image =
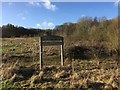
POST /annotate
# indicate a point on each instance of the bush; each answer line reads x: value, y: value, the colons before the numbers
x: 77, y: 52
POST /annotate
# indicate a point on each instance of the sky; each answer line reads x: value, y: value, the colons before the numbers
x: 45, y: 15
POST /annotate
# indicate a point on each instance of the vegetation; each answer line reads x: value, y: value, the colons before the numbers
x: 88, y: 29
x: 11, y: 31
x: 90, y: 51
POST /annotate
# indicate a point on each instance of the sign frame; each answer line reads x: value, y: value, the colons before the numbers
x: 51, y: 40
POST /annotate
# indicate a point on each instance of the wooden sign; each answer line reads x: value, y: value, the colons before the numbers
x: 48, y: 41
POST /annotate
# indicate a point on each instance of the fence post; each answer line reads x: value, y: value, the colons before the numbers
x: 41, y: 51
x: 62, y: 52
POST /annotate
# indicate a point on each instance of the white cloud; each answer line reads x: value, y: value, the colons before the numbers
x: 83, y: 15
x: 117, y: 3
x: 50, y: 24
x: 46, y: 25
x: 47, y: 4
x: 38, y: 25
x: 23, y: 18
x: 34, y: 3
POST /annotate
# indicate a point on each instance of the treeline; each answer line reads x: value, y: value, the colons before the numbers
x: 9, y: 31
x: 98, y: 29
x: 91, y: 29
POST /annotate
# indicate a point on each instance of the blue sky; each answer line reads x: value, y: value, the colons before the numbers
x: 49, y: 14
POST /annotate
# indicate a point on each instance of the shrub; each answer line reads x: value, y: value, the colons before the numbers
x: 77, y: 52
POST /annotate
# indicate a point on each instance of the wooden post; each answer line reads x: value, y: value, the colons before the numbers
x: 41, y: 53
x: 62, y: 57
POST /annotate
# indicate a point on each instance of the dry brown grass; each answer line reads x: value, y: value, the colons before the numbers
x: 95, y: 74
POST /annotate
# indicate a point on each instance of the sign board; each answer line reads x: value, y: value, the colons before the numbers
x: 51, y: 41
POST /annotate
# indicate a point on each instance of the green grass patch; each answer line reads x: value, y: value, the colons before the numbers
x: 12, y: 48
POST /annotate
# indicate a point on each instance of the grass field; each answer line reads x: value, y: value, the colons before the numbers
x: 20, y: 68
